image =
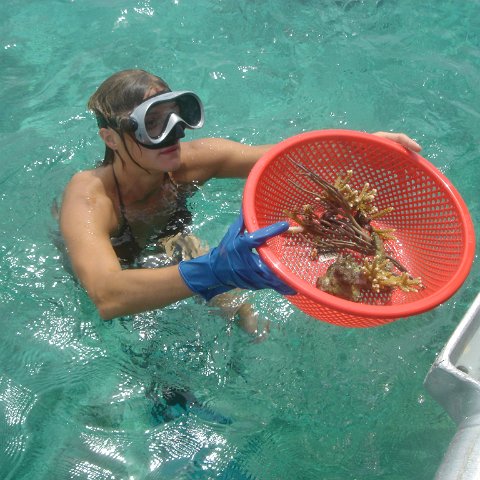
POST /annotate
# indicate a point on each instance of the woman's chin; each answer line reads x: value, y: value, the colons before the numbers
x: 169, y: 158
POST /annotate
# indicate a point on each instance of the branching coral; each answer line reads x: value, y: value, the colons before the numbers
x: 344, y: 224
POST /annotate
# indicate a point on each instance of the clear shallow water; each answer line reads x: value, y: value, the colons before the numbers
x: 78, y: 395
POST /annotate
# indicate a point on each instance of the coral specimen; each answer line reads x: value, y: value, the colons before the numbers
x: 338, y: 221
x: 344, y: 278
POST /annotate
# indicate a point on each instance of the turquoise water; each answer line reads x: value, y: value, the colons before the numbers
x: 314, y: 401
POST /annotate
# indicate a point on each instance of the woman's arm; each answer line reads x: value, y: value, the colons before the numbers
x: 214, y: 157
x: 217, y: 158
x: 86, y: 219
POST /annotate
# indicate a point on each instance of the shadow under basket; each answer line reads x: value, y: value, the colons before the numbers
x: 434, y: 235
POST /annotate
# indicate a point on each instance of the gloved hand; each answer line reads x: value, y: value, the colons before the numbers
x: 233, y: 264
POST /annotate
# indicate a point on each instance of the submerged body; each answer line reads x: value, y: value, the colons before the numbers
x: 111, y: 212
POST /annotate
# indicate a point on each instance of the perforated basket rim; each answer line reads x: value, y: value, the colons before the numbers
x: 331, y: 301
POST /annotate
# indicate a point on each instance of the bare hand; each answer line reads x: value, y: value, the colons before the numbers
x: 401, y: 139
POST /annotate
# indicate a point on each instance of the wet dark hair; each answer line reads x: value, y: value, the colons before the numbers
x: 115, y: 99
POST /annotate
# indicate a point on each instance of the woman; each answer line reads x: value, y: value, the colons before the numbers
x: 109, y: 214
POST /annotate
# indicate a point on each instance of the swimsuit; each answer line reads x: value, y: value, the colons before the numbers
x: 124, y: 243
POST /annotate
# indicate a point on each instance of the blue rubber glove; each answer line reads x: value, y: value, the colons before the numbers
x: 233, y: 264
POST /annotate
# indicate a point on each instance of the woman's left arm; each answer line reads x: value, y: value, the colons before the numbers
x: 217, y: 157
x: 220, y: 158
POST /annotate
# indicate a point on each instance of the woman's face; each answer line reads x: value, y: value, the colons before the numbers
x: 165, y: 159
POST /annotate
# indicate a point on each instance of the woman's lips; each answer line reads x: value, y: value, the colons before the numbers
x: 169, y: 149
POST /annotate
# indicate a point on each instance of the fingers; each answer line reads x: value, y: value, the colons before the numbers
x: 258, y: 237
x: 401, y: 139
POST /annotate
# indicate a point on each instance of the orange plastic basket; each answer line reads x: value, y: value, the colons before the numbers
x: 434, y: 234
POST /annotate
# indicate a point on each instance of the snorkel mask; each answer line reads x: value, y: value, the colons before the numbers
x: 160, y: 121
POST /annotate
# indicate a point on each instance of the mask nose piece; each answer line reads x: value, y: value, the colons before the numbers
x: 178, y: 131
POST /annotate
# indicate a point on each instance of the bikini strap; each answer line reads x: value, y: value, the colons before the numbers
x: 119, y: 193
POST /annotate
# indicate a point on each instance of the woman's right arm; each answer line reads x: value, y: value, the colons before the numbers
x: 86, y: 219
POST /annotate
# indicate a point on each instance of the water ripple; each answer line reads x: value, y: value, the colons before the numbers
x: 16, y: 401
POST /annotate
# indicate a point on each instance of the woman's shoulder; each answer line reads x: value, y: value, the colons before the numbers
x: 201, y: 157
x: 88, y: 195
x: 90, y: 187
x: 205, y: 146
x: 88, y: 180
